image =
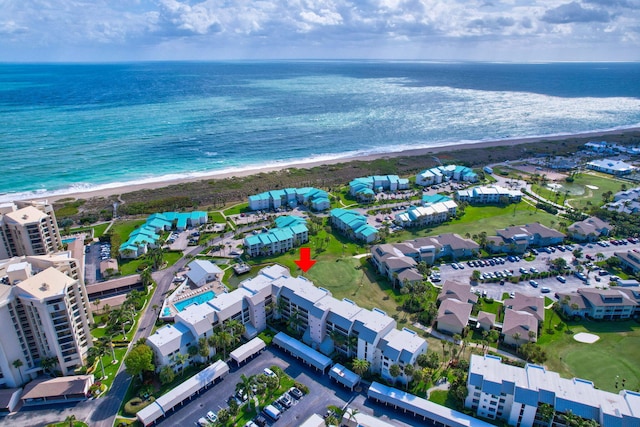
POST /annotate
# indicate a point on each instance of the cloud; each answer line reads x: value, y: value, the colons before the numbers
x: 629, y: 4
x: 574, y: 12
x: 10, y: 27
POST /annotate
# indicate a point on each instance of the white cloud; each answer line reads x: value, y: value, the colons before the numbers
x: 322, y: 28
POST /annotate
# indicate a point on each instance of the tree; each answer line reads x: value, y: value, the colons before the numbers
x: 180, y: 360
x: 47, y: 363
x: 395, y: 371
x: 516, y: 336
x: 139, y: 359
x: 193, y: 351
x: 246, y: 385
x: 546, y: 413
x: 223, y: 415
x: 203, y: 348
x: 18, y: 364
x: 70, y: 419
x: 107, y: 342
x: 145, y: 277
x: 167, y: 374
x: 223, y: 339
x: 98, y: 351
x: 360, y: 366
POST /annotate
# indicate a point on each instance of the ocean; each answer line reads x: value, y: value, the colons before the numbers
x: 71, y: 127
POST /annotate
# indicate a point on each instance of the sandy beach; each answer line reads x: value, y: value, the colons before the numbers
x: 407, y: 153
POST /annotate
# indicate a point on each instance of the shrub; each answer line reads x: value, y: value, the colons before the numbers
x: 136, y: 403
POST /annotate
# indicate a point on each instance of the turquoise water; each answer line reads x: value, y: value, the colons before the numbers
x: 197, y: 299
x: 67, y: 241
x: 71, y: 127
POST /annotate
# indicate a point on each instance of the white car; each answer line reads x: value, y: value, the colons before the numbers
x: 211, y: 416
x: 268, y: 372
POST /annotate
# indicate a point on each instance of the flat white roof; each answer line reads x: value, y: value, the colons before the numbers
x: 247, y: 350
x: 298, y: 349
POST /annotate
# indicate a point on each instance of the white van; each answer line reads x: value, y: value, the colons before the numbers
x: 272, y: 412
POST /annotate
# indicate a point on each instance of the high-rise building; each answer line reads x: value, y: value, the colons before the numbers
x: 28, y: 228
x: 46, y: 313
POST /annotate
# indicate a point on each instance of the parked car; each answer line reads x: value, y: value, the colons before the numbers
x: 296, y: 392
x: 272, y: 412
x: 203, y: 422
x: 211, y: 416
x: 545, y: 290
x: 268, y: 372
x: 561, y: 279
x: 260, y: 421
x: 533, y: 283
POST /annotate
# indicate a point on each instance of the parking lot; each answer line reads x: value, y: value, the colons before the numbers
x: 540, y: 263
x: 322, y: 393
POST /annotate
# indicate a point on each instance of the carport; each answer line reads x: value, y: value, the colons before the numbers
x: 245, y: 351
x: 344, y: 376
x: 302, y: 352
x: 438, y: 414
x: 182, y: 392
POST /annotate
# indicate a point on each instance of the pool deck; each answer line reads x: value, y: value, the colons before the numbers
x: 185, y: 291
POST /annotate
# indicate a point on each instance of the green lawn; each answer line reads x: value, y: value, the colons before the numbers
x: 483, y: 218
x: 614, y: 354
x: 237, y: 209
x: 98, y: 230
x: 603, y: 183
x: 217, y: 217
x: 124, y: 228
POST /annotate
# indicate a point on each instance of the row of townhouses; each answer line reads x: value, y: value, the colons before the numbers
x: 147, y: 236
x: 439, y: 174
x: 316, y: 199
x: 290, y: 231
x: 523, y: 314
x: 325, y: 323
x: 428, y: 214
x: 627, y: 201
x: 513, y: 394
x: 354, y: 225
x: 615, y: 303
x: 519, y: 238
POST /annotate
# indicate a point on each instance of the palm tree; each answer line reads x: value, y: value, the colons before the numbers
x: 145, y: 277
x: 223, y: 340
x: 203, y: 348
x: 70, y: 419
x: 98, y: 351
x: 48, y: 362
x: 107, y: 341
x: 246, y: 385
x: 546, y: 413
x: 395, y: 371
x: 18, y: 364
x: 360, y: 366
x: 516, y: 337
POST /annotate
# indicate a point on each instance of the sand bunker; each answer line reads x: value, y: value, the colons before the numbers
x: 592, y: 187
x: 586, y: 338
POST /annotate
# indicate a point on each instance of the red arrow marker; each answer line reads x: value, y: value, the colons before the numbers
x: 305, y: 262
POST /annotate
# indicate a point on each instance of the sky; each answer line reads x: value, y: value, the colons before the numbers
x: 474, y: 30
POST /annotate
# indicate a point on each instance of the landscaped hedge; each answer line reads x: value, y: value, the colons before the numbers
x: 136, y: 404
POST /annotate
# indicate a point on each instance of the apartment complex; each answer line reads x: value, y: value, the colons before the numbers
x: 429, y: 213
x: 611, y: 167
x: 290, y: 231
x: 366, y: 187
x: 326, y: 324
x: 316, y: 199
x: 44, y: 304
x: 445, y: 173
x: 353, y: 225
x: 616, y: 303
x: 401, y: 259
x: 518, y: 238
x: 590, y: 229
x: 490, y: 194
x: 513, y: 394
x: 28, y: 228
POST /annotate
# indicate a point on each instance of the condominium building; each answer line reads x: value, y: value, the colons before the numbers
x: 28, y: 228
x: 488, y: 195
x: 326, y: 324
x: 513, y: 394
x: 316, y: 199
x: 366, y: 187
x: 444, y: 173
x: 290, y: 231
x: 43, y: 300
x: 354, y: 225
x: 430, y: 213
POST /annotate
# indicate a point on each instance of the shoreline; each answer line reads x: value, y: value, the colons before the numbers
x: 462, y: 146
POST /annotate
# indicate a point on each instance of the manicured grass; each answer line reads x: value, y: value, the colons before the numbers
x: 483, y: 218
x: 66, y: 424
x: 613, y: 355
x: 217, y: 217
x: 237, y: 209
x: 98, y: 230
x: 124, y: 228
x: 603, y: 183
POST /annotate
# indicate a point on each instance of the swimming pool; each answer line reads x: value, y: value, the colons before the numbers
x: 67, y: 241
x: 197, y: 299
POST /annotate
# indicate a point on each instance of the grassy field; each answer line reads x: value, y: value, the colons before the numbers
x: 237, y: 209
x: 483, y: 218
x: 613, y: 356
x: 217, y: 217
x: 124, y: 228
x: 98, y: 230
x: 603, y: 183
